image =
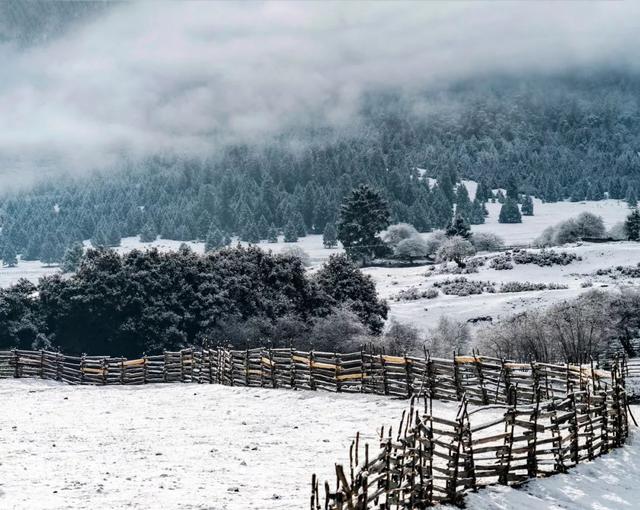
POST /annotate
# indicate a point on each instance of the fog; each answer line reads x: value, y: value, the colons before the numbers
x: 137, y: 79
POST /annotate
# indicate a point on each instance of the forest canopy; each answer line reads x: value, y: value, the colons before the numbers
x: 570, y: 136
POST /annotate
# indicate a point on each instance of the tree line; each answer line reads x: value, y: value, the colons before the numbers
x: 558, y: 137
x: 147, y: 301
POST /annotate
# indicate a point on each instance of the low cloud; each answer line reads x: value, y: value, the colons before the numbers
x: 181, y: 77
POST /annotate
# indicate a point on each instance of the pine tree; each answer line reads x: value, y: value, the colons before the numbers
x: 500, y: 197
x: 463, y: 204
x: 72, y: 257
x: 215, y: 239
x: 148, y: 233
x: 509, y: 212
x: 483, y: 193
x: 202, y: 226
x: 272, y: 234
x: 290, y: 232
x: 32, y: 251
x: 298, y: 220
x: 527, y: 206
x: 329, y: 236
x: 51, y: 251
x: 363, y: 215
x: 251, y: 234
x: 631, y: 198
x: 9, y: 255
x: 477, y: 214
x: 632, y: 225
x: 114, y: 234
x: 263, y: 228
x: 512, y: 188
x: 458, y: 227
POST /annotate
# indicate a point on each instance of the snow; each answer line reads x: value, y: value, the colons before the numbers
x: 549, y: 214
x: 610, y: 482
x: 209, y: 446
x: 177, y: 445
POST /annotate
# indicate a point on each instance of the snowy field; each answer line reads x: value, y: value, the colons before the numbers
x: 425, y: 313
x: 177, y: 446
x: 216, y: 447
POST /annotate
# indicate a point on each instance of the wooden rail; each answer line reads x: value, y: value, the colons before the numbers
x: 433, y: 460
x: 482, y: 379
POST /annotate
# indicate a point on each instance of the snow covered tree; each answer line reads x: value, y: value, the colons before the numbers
x: 290, y: 232
x: 527, y: 206
x: 632, y: 225
x: 509, y: 212
x: 363, y: 215
x: 458, y: 227
x: 9, y: 255
x: 51, y: 252
x: 457, y: 249
x: 632, y: 197
x: 477, y: 214
x: 412, y: 248
x: 329, y: 236
x: 272, y: 234
x: 341, y: 280
x: 72, y: 257
x: 251, y: 234
x: 463, y: 203
x: 215, y: 239
x: 148, y: 233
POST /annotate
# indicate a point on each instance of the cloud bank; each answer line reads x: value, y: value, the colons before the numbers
x: 181, y: 77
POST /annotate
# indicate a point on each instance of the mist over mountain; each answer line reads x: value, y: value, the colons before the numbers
x: 98, y: 84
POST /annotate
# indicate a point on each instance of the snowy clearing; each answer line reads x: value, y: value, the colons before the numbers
x: 218, y: 447
x: 176, y: 445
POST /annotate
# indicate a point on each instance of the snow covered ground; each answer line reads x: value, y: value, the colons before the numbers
x: 425, y: 313
x: 610, y: 482
x: 217, y: 447
x: 177, y: 446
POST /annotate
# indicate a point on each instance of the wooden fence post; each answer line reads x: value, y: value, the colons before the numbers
x: 384, y: 375
x: 532, y: 440
x: 16, y: 370
x: 82, y: 362
x: 407, y: 369
x: 312, y: 382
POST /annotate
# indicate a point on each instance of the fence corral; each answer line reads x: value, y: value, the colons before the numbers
x: 432, y: 460
x: 484, y: 380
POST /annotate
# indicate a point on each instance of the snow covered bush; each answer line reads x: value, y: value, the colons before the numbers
x: 546, y: 239
x: 412, y: 248
x: 585, y: 225
x: 296, y: 251
x: 544, y: 257
x: 414, y: 293
x: 341, y: 331
x: 434, y: 241
x: 571, y: 331
x: 530, y: 286
x: 463, y: 287
x: 618, y: 232
x: 501, y: 262
x: 448, y: 336
x: 400, y: 339
x: 487, y: 241
x: 455, y: 249
x: 398, y: 232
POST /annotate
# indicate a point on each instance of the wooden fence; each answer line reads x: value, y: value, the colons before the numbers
x: 433, y: 460
x: 484, y: 380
